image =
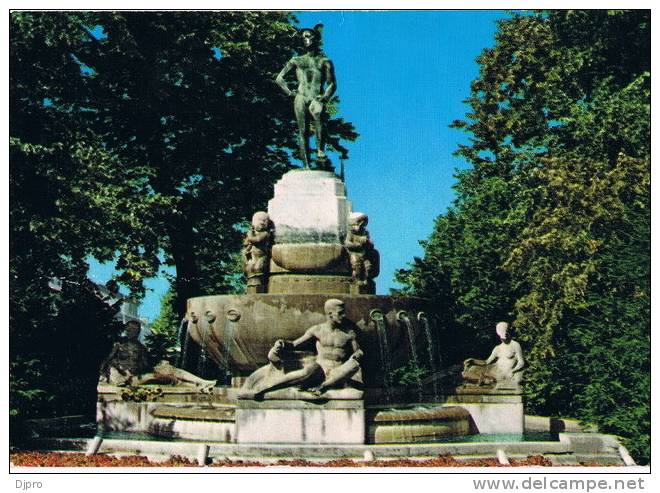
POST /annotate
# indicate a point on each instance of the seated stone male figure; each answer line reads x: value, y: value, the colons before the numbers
x: 127, y: 359
x: 336, y: 364
x: 283, y: 370
x: 128, y: 364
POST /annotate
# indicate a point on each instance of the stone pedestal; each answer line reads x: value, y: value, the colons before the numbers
x: 309, y: 284
x: 309, y: 211
x: 309, y: 206
x: 279, y: 422
x: 492, y: 411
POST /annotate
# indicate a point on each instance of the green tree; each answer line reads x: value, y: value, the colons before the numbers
x: 163, y: 338
x: 550, y: 224
x: 70, y: 198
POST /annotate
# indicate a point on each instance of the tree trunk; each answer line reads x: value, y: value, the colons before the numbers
x: 187, y: 274
x: 186, y: 285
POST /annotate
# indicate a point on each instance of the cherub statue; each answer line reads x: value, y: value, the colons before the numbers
x: 503, y: 368
x: 256, y: 252
x: 362, y: 254
x: 335, y: 367
x: 128, y: 364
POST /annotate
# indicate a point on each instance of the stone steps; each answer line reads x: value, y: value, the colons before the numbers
x: 559, y: 453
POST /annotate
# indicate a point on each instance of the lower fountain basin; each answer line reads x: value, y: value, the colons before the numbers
x: 417, y: 425
x: 237, y: 331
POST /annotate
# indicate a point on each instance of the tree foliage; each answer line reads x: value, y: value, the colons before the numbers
x: 162, y: 341
x: 69, y: 198
x: 551, y: 224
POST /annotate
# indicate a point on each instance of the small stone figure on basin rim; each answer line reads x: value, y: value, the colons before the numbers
x: 256, y: 252
x: 362, y: 254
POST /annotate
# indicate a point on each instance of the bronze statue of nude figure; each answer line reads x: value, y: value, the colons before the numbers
x: 316, y: 85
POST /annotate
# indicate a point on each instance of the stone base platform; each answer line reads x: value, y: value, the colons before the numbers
x: 170, y: 412
x: 490, y: 411
x: 299, y: 422
x: 188, y: 413
x: 306, y: 284
x: 603, y: 449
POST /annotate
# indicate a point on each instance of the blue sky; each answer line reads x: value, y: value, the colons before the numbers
x: 401, y: 77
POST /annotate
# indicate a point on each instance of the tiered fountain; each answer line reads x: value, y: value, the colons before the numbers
x: 310, y: 347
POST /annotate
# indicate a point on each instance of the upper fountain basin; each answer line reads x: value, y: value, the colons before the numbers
x: 239, y: 330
